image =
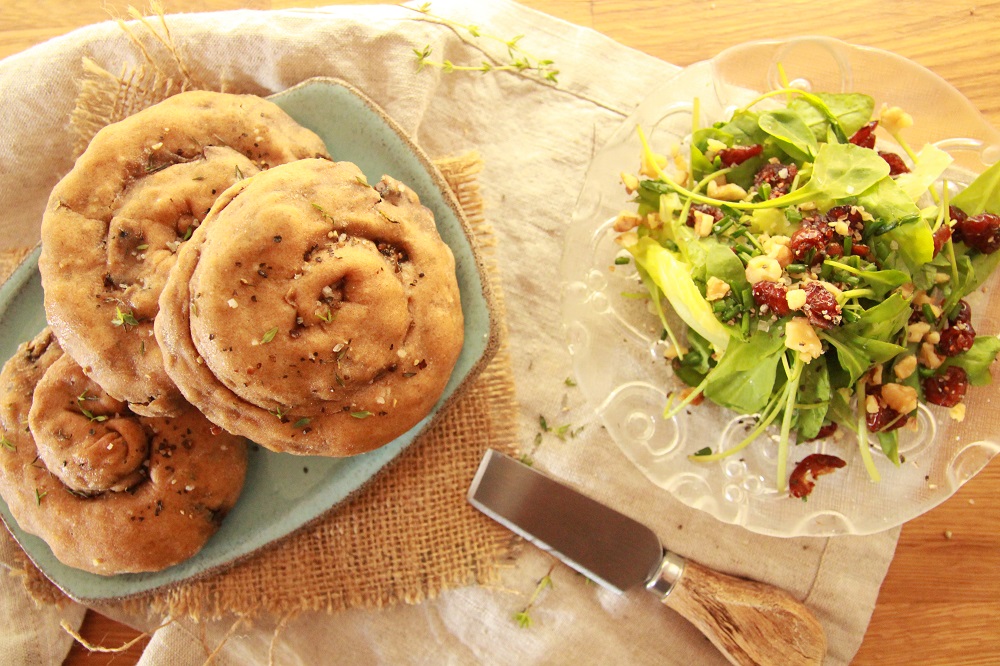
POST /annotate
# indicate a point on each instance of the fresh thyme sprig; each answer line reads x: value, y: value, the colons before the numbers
x: 125, y: 319
x: 523, y: 616
x: 86, y: 412
x: 520, y: 60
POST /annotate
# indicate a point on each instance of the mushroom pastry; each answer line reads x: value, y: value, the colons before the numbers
x: 313, y: 313
x: 110, y: 492
x: 114, y: 223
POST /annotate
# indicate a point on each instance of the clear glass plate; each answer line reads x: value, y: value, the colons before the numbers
x: 614, y: 340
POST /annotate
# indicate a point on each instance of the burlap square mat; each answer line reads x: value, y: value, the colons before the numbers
x: 407, y: 535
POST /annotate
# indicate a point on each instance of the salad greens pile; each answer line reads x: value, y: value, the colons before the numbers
x: 822, y: 280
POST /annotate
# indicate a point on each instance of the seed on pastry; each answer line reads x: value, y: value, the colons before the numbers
x: 313, y: 313
x: 114, y: 223
x: 109, y: 492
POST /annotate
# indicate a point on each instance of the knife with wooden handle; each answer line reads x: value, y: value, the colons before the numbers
x: 750, y: 622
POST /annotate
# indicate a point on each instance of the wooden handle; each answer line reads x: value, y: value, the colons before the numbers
x: 751, y: 623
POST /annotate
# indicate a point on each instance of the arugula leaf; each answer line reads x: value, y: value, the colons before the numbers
x: 977, y: 360
x: 790, y: 133
x: 814, y: 389
x: 982, y: 194
x: 673, y: 277
x: 744, y: 377
x: 889, y: 443
x: 856, y: 353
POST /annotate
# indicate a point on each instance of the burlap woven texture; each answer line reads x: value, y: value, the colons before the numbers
x: 408, y: 534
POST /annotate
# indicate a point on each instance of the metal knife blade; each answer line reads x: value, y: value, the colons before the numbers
x: 751, y: 623
x: 599, y: 542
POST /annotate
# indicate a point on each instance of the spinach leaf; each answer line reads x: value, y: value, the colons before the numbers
x: 882, y: 321
x: 848, y: 112
x: 722, y: 262
x: 790, y: 133
x: 744, y: 377
x: 856, y: 353
x: 976, y: 362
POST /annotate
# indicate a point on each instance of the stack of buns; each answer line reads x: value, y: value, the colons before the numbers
x: 210, y: 275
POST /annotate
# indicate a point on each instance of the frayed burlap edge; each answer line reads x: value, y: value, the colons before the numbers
x: 465, y: 547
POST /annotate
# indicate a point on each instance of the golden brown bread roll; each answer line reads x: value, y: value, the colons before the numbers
x: 108, y: 491
x: 113, y: 225
x: 313, y: 313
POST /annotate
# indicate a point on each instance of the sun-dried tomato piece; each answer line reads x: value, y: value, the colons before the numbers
x: 778, y: 176
x: 865, y: 137
x: 739, y: 154
x: 803, y: 478
x: 946, y: 388
x: 941, y: 237
x: 773, y: 295
x: 714, y: 211
x: 981, y: 232
x: 956, y: 338
x: 895, y: 162
x: 821, y: 306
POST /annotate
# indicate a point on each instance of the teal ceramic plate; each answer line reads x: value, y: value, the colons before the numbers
x: 284, y: 492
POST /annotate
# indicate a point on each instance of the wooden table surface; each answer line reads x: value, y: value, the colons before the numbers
x: 940, y: 603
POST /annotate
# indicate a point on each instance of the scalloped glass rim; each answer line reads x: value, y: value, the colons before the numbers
x: 614, y: 343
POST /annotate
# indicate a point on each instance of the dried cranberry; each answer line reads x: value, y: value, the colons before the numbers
x: 981, y: 232
x: 778, y: 176
x: 956, y: 338
x: 739, y: 154
x: 834, y: 250
x: 957, y: 214
x: 773, y: 295
x: 963, y: 312
x: 861, y: 250
x: 714, y: 211
x: 803, y: 477
x: 946, y: 388
x: 895, y: 162
x: 941, y: 237
x: 849, y: 214
x: 865, y: 137
x: 821, y: 306
x: 809, y: 240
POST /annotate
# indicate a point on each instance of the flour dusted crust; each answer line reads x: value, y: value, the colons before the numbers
x: 113, y: 226
x: 108, y: 491
x: 313, y: 313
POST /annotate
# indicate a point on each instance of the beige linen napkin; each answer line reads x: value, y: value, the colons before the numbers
x: 536, y: 139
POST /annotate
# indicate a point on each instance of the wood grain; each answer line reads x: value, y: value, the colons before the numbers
x: 939, y: 603
x: 751, y: 623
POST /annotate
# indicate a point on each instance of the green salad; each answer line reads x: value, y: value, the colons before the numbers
x: 822, y: 280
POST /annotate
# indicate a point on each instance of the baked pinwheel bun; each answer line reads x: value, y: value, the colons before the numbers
x: 110, y: 492
x: 114, y: 223
x: 313, y: 313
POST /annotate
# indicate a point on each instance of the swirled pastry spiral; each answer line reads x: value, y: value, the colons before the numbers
x: 109, y: 492
x: 114, y: 223
x: 313, y: 313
